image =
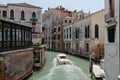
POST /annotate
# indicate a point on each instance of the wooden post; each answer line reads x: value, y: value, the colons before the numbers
x: 3, y: 73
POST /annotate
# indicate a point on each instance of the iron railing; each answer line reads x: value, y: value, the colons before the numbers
x: 109, y: 15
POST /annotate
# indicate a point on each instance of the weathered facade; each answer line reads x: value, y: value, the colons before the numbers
x: 86, y: 35
x: 97, y: 34
x: 20, y: 29
x: 52, y: 23
x: 16, y: 52
x: 25, y: 14
x: 16, y: 65
x: 112, y: 39
x: 39, y: 56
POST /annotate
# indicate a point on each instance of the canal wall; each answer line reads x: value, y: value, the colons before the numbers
x: 16, y: 64
x: 39, y: 57
x: 43, y: 56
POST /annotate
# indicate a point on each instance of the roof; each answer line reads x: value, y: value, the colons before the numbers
x: 67, y: 17
x: 98, y: 11
x: 4, y: 20
x: 24, y: 5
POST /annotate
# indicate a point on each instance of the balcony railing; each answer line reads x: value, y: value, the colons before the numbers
x: 109, y: 16
x: 33, y: 19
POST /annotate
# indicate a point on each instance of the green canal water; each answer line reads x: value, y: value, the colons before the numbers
x: 77, y: 70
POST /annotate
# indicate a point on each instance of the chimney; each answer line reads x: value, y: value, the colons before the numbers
x: 75, y: 10
x: 60, y: 7
x: 48, y: 8
x: 89, y: 12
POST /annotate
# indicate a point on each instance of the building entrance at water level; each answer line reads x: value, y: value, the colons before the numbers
x: 77, y: 70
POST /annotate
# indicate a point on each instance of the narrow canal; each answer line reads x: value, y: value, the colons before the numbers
x: 78, y: 70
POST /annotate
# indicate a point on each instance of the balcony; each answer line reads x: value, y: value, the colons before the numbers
x: 33, y: 19
x: 109, y: 17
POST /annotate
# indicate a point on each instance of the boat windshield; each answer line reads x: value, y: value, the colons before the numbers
x: 63, y: 57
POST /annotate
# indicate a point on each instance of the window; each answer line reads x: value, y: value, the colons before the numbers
x: 77, y: 33
x: 23, y: 38
x: 96, y: 31
x: 70, y: 32
x: 33, y: 29
x: 7, y: 35
x: 64, y: 33
x: 79, y: 16
x: 12, y: 14
x: 1, y: 63
x: 70, y: 21
x: 22, y: 15
x: 67, y: 33
x: 65, y: 21
x: 54, y: 29
x: 54, y: 37
x: 111, y: 34
x: 87, y: 32
x: 33, y: 15
x: 17, y: 37
x: 26, y: 38
x: 69, y: 45
x: 20, y: 37
x: 36, y: 57
x: 58, y: 28
x: 86, y: 47
x: 59, y: 45
x: 13, y: 37
x: 4, y: 13
x: 58, y: 36
x: 77, y: 46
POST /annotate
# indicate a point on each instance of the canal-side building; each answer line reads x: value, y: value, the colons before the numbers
x: 97, y: 34
x: 16, y: 52
x: 81, y: 14
x: 52, y: 23
x: 81, y: 36
x: 25, y: 14
x: 112, y: 39
x: 16, y: 17
x: 67, y: 33
x: 87, y: 35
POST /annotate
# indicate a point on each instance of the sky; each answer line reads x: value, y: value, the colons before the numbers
x: 85, y: 5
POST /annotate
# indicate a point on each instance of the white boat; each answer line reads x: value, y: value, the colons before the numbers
x: 62, y: 59
x: 98, y: 72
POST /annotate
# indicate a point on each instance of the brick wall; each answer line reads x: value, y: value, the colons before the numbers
x: 17, y: 64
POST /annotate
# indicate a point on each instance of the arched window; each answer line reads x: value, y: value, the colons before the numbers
x: 88, y: 31
x: 33, y: 15
x: 65, y: 21
x: 87, y: 47
x: 96, y: 31
x: 22, y: 15
x: 11, y: 14
x: 85, y: 32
